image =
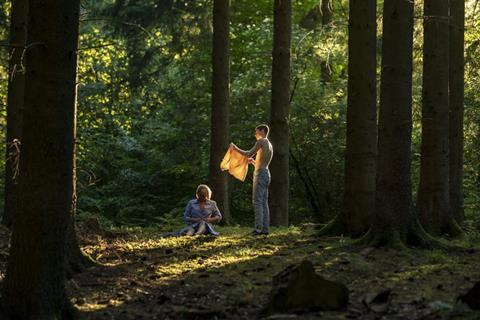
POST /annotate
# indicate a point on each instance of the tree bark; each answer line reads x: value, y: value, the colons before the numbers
x: 75, y: 260
x: 280, y: 105
x: 433, y: 202
x: 327, y: 14
x: 34, y: 287
x: 309, y: 190
x: 16, y: 83
x: 220, y: 133
x: 395, y: 223
x: 361, y: 146
x: 456, y: 82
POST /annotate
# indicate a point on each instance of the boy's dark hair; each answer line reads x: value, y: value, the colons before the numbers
x: 264, y: 128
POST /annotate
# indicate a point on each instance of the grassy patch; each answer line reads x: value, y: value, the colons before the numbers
x: 230, y: 276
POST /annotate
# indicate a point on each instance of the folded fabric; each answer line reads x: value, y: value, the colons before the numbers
x: 236, y: 164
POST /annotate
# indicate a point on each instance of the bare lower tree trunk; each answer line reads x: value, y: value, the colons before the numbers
x: 457, y: 74
x: 34, y: 286
x: 16, y: 83
x: 280, y: 105
x: 327, y: 13
x: 75, y: 260
x: 433, y: 202
x: 395, y: 223
x: 220, y: 133
x: 361, y: 146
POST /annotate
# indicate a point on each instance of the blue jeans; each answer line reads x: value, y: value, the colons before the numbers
x: 261, y: 181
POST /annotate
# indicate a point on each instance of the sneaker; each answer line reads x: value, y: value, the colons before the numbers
x: 255, y: 232
x: 258, y: 233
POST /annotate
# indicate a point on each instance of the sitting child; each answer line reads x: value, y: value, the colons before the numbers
x: 200, y: 213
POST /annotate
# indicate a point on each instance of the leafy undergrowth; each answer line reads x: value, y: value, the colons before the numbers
x: 144, y: 276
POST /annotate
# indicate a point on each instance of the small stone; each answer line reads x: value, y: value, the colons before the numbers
x: 365, y: 252
x: 440, y: 305
x: 161, y: 299
x: 472, y: 297
x: 300, y: 288
x: 378, y: 302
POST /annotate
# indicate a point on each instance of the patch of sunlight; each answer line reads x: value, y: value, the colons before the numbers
x: 229, y: 237
x: 415, y: 272
x: 176, y: 268
x: 190, y: 254
x: 438, y: 257
x: 92, y: 307
x: 329, y: 263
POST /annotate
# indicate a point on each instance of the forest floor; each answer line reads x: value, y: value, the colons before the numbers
x: 141, y: 275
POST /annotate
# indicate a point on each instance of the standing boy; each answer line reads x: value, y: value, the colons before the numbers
x: 263, y: 152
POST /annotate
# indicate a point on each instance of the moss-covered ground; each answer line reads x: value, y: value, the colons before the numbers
x: 142, y: 275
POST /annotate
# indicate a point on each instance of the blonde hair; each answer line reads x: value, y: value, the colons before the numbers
x: 203, y: 194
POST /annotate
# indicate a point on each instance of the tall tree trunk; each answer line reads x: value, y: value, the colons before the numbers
x: 395, y: 223
x: 76, y: 261
x: 457, y: 74
x: 327, y: 13
x: 34, y: 286
x: 280, y: 105
x: 220, y: 133
x: 433, y: 202
x: 361, y: 149
x: 16, y: 83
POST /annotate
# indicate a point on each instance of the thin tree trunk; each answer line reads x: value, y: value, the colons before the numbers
x: 433, y: 202
x: 361, y: 146
x: 457, y: 74
x: 220, y: 133
x: 477, y: 156
x: 280, y: 105
x: 34, y: 287
x: 16, y: 83
x: 395, y: 223
x: 327, y: 14
x: 310, y: 193
x: 76, y: 261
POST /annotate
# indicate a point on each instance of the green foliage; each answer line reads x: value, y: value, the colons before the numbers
x: 144, y: 105
x: 437, y: 257
x: 144, y: 100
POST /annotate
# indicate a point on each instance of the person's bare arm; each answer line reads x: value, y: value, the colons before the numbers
x: 251, y: 152
x: 235, y: 147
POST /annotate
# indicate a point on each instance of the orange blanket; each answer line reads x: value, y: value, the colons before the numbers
x: 236, y: 164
